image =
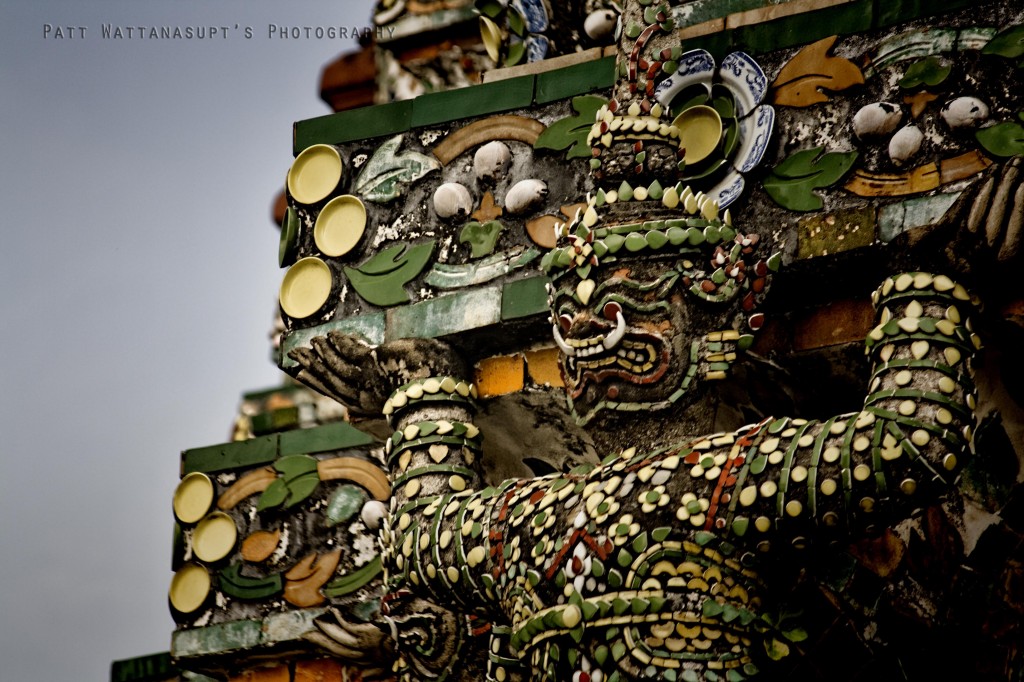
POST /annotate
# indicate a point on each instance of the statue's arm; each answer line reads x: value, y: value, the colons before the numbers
x: 801, y: 480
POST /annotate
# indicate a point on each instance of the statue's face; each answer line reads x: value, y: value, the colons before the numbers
x: 623, y: 337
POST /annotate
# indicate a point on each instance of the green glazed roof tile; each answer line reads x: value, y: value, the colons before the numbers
x: 799, y: 29
x: 575, y: 79
x: 355, y: 124
x: 524, y: 297
x: 234, y: 636
x: 477, y: 100
x: 230, y: 455
x: 446, y: 314
x: 247, y: 453
x: 337, y: 436
x: 152, y: 668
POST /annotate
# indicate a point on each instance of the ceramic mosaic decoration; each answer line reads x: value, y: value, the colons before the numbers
x: 620, y: 401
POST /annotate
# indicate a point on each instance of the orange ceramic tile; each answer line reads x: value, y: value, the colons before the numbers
x: 304, y: 580
x: 277, y: 673
x: 543, y: 368
x: 918, y: 101
x: 500, y: 375
x: 320, y: 670
x: 507, y: 127
x: 864, y: 183
x: 260, y: 545
x: 812, y: 71
x: 963, y: 166
x: 839, y: 322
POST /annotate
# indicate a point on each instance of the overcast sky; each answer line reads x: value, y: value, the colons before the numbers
x: 139, y: 278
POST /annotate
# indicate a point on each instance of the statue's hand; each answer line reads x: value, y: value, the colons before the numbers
x: 978, y: 240
x: 361, y: 376
x: 371, y: 646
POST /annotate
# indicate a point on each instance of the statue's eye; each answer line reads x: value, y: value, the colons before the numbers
x: 565, y: 321
x: 611, y: 310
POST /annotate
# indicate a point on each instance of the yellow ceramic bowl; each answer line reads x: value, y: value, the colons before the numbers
x: 189, y: 588
x: 314, y: 173
x: 193, y: 497
x: 700, y: 131
x: 214, y: 537
x: 305, y: 288
x: 340, y: 225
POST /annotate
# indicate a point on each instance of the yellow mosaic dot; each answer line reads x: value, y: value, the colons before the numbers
x: 453, y: 574
x: 403, y: 521
x: 914, y: 309
x: 862, y: 472
x: 768, y: 488
x: 476, y: 556
x: 793, y: 508
x: 903, y: 282
x: 952, y: 356
x: 457, y: 483
x: 571, y: 616
x: 837, y: 428
x: 861, y: 443
x: 922, y: 280
x: 831, y: 454
x: 431, y: 571
x: 943, y: 416
x: 920, y: 437
x: 947, y: 385
x: 945, y: 327
x: 763, y: 524
x: 798, y: 474
x: 776, y: 457
x: 953, y: 314
x: 412, y: 488
x: 748, y: 496
x: 867, y: 504
x: 445, y: 539
x: 908, y: 486
x: 907, y: 408
x: 828, y: 486
x: 903, y: 377
x: 830, y: 519
x: 770, y: 445
x: 864, y: 420
x: 949, y: 462
x: 908, y: 324
x: 806, y: 441
x: 942, y: 283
